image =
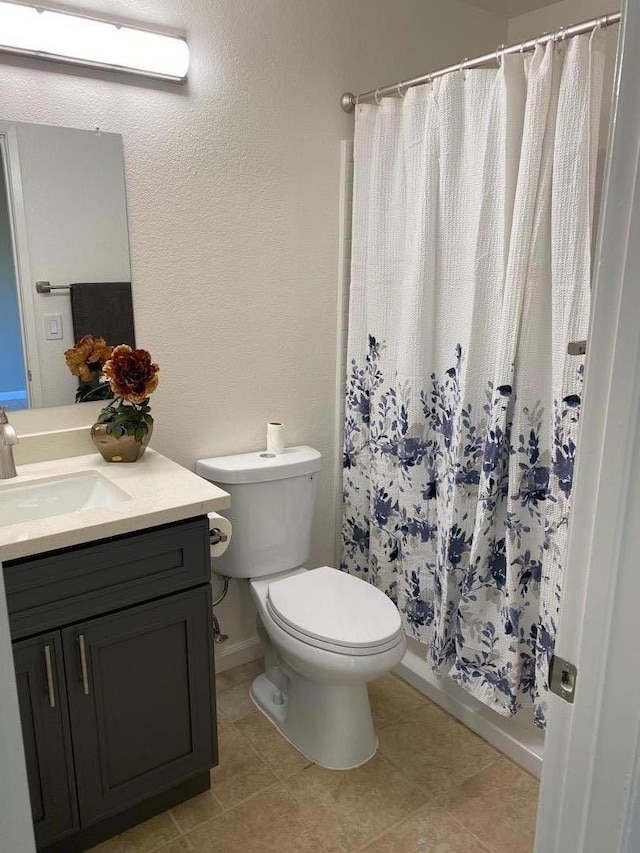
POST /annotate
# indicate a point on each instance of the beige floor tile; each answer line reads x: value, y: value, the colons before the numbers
x: 241, y: 773
x: 275, y: 751
x: 203, y: 807
x: 179, y: 845
x: 232, y: 690
x: 431, y: 830
x: 499, y: 807
x: 393, y: 700
x: 359, y: 804
x: 434, y: 750
x: 270, y: 822
x: 434, y: 786
x: 148, y: 836
x: 241, y: 674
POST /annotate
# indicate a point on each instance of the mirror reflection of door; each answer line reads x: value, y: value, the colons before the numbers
x: 14, y: 392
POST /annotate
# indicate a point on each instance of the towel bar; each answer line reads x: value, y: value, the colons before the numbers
x: 47, y: 287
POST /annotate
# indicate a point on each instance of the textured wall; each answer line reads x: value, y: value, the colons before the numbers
x: 233, y: 185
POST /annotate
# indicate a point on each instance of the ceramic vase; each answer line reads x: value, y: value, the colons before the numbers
x: 113, y: 449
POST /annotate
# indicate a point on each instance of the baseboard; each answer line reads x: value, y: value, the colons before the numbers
x: 519, y: 739
x: 229, y: 654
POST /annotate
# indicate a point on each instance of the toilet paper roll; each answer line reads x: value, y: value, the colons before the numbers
x: 221, y: 530
x: 275, y: 437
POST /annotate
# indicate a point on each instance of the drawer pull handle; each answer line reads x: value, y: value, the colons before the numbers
x: 83, y: 665
x: 49, y: 669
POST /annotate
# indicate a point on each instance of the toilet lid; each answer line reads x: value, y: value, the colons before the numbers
x: 329, y: 605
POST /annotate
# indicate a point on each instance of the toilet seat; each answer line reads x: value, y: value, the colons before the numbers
x: 332, y: 610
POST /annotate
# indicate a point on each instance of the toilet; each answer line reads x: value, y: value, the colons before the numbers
x: 326, y: 634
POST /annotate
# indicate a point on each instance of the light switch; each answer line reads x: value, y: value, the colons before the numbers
x: 53, y: 327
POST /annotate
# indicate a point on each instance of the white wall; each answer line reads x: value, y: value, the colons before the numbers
x: 556, y: 15
x: 76, y: 218
x: 233, y: 189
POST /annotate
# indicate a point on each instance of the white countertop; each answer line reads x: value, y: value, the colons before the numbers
x: 160, y: 492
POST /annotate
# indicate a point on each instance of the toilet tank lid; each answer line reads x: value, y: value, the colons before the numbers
x: 260, y: 467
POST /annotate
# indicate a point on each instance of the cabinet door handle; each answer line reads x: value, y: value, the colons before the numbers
x: 83, y: 664
x: 49, y: 669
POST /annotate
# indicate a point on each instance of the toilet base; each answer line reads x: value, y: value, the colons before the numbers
x: 329, y: 724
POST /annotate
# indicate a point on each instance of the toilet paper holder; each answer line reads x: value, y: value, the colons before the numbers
x: 216, y: 536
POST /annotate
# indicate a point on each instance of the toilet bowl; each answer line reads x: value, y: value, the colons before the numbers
x: 318, y: 664
x: 325, y: 633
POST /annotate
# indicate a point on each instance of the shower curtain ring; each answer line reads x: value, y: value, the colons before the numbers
x: 376, y: 97
x: 400, y: 92
x: 499, y: 55
x: 461, y: 68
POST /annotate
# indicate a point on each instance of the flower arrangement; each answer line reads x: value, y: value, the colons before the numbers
x: 132, y: 377
x: 128, y: 377
x: 86, y: 360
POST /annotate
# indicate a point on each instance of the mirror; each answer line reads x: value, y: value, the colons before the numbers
x: 65, y: 270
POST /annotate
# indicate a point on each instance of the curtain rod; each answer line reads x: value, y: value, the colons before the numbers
x: 349, y: 101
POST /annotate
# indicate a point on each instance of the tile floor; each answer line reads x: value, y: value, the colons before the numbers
x: 434, y: 787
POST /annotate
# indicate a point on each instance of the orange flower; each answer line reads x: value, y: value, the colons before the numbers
x: 86, y: 358
x: 131, y: 373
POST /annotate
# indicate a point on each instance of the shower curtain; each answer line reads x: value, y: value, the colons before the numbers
x: 471, y: 268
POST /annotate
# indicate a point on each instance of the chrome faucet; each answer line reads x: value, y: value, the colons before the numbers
x: 8, y: 438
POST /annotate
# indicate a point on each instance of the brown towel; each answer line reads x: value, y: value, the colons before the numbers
x: 104, y: 309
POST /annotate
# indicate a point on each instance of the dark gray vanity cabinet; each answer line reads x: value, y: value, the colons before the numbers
x: 116, y: 695
x: 45, y: 731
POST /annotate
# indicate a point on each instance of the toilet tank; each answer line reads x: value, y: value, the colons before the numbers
x: 272, y: 502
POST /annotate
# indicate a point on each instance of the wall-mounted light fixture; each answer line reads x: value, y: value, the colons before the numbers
x: 79, y: 40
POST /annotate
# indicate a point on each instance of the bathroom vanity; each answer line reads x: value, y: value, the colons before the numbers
x: 110, y: 615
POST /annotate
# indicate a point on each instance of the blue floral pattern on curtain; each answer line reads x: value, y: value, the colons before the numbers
x: 461, y: 586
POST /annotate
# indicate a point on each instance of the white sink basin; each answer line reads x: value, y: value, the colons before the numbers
x: 38, y: 499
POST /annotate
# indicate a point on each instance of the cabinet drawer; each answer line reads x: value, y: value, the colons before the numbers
x: 62, y: 587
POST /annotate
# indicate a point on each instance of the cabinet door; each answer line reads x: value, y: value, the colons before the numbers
x: 45, y: 731
x: 140, y: 699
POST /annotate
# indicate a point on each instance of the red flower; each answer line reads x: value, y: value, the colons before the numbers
x: 131, y: 373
